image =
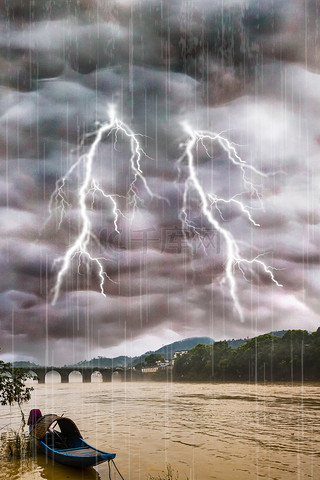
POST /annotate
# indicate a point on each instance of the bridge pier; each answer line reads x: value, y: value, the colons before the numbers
x: 86, y: 376
x: 106, y: 375
x: 41, y: 375
x: 64, y: 376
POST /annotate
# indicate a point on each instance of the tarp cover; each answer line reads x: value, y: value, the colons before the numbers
x: 34, y: 416
x: 66, y: 425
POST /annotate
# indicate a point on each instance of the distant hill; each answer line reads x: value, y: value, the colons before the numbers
x: 167, y: 351
x: 104, y: 362
x: 25, y: 365
x: 241, y: 341
x: 237, y: 343
x: 279, y: 333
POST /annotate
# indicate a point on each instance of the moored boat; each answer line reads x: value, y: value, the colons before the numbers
x: 60, y: 439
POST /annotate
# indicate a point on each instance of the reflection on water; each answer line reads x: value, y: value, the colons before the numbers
x: 41, y: 467
x: 222, y: 432
x: 52, y: 471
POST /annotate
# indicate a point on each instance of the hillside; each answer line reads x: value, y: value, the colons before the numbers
x: 167, y: 351
x: 241, y: 341
x: 292, y: 357
x: 24, y: 364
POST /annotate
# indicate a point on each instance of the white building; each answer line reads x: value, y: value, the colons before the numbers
x: 149, y: 369
x: 178, y: 354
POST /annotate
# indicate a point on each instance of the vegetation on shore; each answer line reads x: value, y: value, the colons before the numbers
x: 15, y: 444
x: 169, y: 474
x: 13, y: 390
x: 294, y: 357
x: 150, y: 361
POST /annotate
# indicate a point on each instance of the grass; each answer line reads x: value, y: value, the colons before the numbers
x: 169, y: 474
x: 15, y: 444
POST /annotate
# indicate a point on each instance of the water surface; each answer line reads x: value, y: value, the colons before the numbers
x: 224, y: 432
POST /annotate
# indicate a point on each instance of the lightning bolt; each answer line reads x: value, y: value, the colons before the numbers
x: 58, y: 201
x: 80, y: 248
x: 208, y: 201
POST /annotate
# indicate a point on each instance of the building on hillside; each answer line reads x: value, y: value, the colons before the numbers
x: 149, y: 369
x: 177, y: 355
x: 181, y: 352
x: 160, y: 365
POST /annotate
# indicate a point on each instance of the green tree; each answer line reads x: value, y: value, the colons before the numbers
x: 181, y: 367
x: 312, y: 356
x: 218, y: 366
x: 292, y: 356
x: 12, y: 387
x: 255, y: 359
x: 153, y: 358
x: 139, y: 366
x: 194, y: 365
x: 199, y: 357
x: 295, y: 357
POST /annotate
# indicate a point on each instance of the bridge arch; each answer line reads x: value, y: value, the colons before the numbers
x: 53, y: 376
x: 75, y: 377
x: 96, y: 377
x: 34, y: 380
x: 116, y: 376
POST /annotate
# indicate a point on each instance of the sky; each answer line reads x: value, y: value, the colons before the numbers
x: 159, y: 173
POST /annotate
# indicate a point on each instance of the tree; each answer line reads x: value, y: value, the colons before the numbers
x: 153, y: 358
x: 220, y: 360
x: 139, y: 366
x: 13, y: 388
x: 312, y: 356
x: 295, y: 357
x: 194, y: 365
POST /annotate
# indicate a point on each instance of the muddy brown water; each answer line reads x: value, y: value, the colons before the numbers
x: 224, y: 431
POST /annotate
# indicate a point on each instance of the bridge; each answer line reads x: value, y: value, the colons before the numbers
x: 86, y: 373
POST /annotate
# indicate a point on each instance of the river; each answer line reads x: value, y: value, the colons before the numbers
x: 204, y: 431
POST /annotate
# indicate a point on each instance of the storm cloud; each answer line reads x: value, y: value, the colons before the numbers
x: 247, y: 69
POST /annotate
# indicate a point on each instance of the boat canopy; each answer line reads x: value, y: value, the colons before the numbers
x: 67, y: 426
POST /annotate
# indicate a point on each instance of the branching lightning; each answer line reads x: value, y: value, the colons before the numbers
x: 80, y: 247
x: 208, y: 201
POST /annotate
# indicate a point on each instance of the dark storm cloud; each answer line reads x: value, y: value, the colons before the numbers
x: 248, y: 69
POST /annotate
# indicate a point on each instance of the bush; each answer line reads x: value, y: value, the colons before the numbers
x: 13, y: 388
x: 16, y: 444
x: 170, y: 474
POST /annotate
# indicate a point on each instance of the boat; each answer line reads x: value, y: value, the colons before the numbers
x: 59, y: 438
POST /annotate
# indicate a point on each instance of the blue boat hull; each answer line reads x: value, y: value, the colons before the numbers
x: 71, y: 451
x: 66, y: 457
